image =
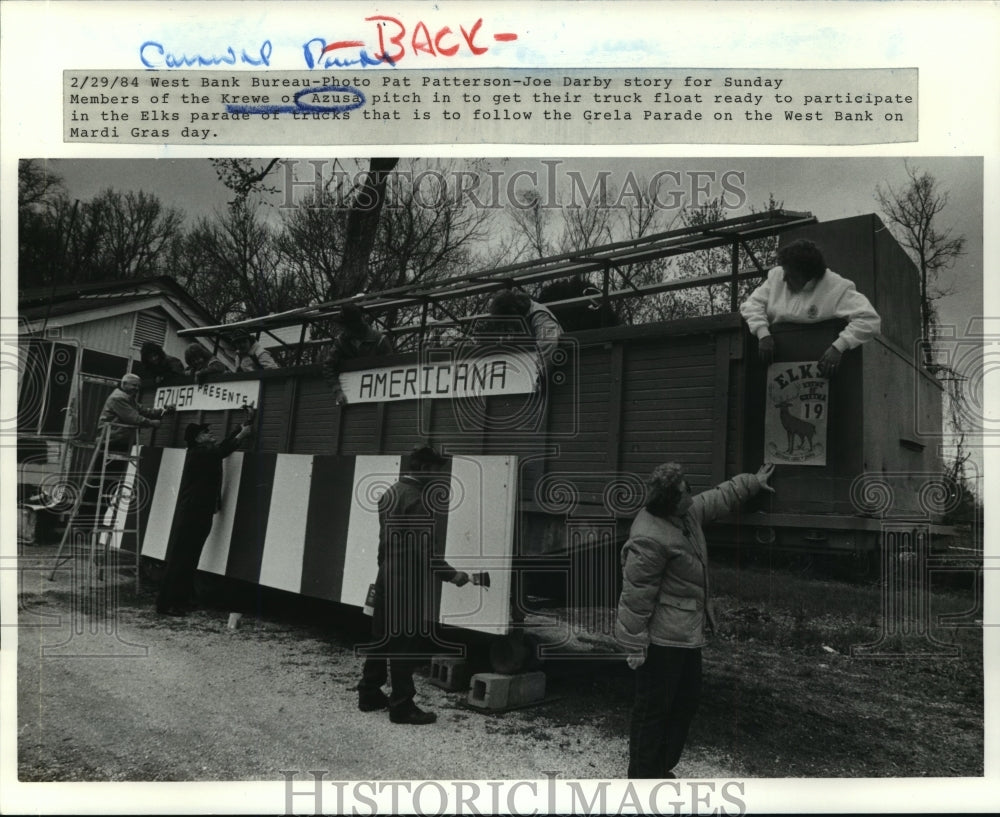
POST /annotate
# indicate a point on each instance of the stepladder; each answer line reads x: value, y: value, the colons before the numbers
x: 104, y: 508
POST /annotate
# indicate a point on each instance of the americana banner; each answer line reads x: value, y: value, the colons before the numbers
x: 308, y: 524
x: 234, y: 394
x: 514, y: 372
x: 796, y: 415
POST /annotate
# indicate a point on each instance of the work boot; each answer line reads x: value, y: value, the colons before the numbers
x: 413, y: 715
x: 372, y: 701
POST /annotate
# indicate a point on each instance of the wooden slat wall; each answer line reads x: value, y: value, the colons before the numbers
x: 400, y: 431
x: 669, y: 394
x: 316, y: 418
x: 273, y: 419
x: 359, y: 429
x: 579, y: 418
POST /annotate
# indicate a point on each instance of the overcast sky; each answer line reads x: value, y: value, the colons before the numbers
x: 829, y: 188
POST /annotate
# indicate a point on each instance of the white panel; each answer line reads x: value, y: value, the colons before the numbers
x: 121, y: 513
x: 481, y: 538
x: 216, y: 552
x: 161, y: 512
x: 285, y: 539
x: 372, y: 476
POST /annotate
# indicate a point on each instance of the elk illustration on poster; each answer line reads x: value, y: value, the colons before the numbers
x: 796, y: 417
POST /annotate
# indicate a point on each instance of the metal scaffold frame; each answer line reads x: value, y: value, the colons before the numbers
x: 617, y: 257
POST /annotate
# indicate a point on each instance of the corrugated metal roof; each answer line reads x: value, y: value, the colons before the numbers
x: 67, y: 299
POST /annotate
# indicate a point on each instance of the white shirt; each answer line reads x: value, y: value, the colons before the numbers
x: 830, y: 296
x: 256, y: 358
x: 546, y: 330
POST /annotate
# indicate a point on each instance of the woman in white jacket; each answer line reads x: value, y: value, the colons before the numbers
x: 803, y: 290
x: 665, y: 609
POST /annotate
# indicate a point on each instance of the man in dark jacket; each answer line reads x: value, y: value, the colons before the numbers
x: 665, y: 609
x: 404, y: 614
x: 198, y: 501
x: 357, y: 338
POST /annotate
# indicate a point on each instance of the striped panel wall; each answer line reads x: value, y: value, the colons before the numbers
x: 308, y: 524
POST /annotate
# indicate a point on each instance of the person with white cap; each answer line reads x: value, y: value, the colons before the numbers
x: 123, y: 412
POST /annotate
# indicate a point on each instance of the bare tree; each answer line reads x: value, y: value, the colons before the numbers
x: 245, y: 177
x: 426, y: 232
x: 913, y: 215
x: 590, y: 224
x: 37, y: 185
x: 115, y: 235
x: 230, y: 264
x: 363, y: 222
x: 532, y: 225
x: 311, y: 242
x: 39, y: 237
x: 136, y: 229
x: 642, y: 216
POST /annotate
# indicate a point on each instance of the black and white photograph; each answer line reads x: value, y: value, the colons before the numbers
x: 568, y: 370
x: 473, y: 409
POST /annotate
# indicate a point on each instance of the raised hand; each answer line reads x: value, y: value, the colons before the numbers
x: 764, y: 473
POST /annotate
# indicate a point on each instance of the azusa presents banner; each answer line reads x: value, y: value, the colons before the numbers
x: 209, y: 396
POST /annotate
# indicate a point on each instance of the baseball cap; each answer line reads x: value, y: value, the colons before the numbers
x: 192, y: 431
x: 425, y: 454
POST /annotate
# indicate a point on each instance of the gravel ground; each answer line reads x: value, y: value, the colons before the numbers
x: 163, y: 699
x: 207, y: 703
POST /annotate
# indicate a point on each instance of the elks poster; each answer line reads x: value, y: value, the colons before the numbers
x: 795, y: 417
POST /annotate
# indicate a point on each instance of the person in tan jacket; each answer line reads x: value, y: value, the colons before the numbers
x: 665, y: 609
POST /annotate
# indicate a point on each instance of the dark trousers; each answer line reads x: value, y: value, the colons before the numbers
x: 397, y: 658
x: 185, y: 549
x: 667, y: 688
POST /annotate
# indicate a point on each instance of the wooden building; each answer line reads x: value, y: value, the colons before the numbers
x: 76, y: 343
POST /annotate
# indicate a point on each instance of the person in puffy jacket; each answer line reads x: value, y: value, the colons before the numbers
x: 665, y: 609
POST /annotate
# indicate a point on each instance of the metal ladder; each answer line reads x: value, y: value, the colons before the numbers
x: 104, y: 524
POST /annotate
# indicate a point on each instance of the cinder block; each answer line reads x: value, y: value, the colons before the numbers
x: 492, y: 690
x: 451, y: 674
